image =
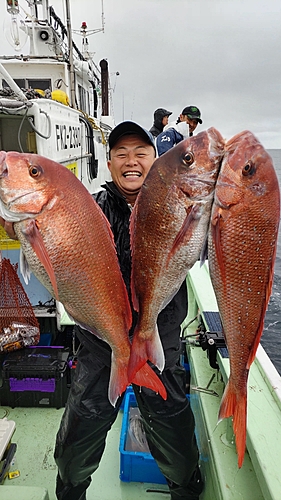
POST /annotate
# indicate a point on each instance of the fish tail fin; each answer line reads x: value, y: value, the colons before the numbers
x: 118, y: 381
x: 145, y: 346
x: 232, y: 405
x: 147, y: 377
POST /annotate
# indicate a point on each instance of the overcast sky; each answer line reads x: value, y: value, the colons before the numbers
x: 223, y: 56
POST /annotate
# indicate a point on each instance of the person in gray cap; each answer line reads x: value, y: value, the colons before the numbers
x: 179, y: 130
x: 161, y: 118
x: 88, y: 416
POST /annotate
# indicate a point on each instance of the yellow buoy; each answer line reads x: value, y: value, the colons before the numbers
x: 40, y: 91
x: 60, y: 96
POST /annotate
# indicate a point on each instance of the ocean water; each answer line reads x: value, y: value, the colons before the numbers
x: 271, y: 338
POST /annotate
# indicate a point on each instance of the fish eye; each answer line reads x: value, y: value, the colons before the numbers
x: 34, y: 171
x: 188, y: 158
x: 248, y: 169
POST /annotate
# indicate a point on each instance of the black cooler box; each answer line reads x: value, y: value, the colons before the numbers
x: 35, y: 376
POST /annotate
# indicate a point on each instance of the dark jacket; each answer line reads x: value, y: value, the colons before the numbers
x: 118, y: 213
x: 158, y: 126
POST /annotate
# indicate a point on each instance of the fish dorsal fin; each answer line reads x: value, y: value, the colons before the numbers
x: 35, y: 239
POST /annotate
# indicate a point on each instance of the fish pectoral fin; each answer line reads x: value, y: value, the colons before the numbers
x: 193, y: 214
x: 143, y: 349
x: 118, y: 381
x: 146, y: 377
x: 215, y: 228
x: 204, y: 251
x: 35, y: 239
x: 24, y: 267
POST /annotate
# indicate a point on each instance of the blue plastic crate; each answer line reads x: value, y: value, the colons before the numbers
x: 134, y: 465
x: 129, y: 389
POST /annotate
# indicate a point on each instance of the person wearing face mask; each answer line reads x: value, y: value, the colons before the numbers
x: 175, y: 132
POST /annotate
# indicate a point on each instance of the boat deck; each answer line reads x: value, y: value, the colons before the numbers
x: 258, y: 478
x: 35, y: 434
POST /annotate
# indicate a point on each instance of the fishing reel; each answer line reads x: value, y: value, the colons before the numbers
x: 211, y: 337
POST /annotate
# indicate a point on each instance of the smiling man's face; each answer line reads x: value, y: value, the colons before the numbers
x: 130, y: 161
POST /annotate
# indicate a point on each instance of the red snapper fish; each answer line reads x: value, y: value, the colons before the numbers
x: 242, y: 248
x: 68, y: 245
x: 168, y: 228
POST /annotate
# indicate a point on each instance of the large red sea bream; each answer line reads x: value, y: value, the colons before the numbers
x: 168, y: 229
x: 68, y: 244
x: 242, y: 248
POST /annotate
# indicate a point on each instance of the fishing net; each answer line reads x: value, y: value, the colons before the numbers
x: 18, y: 324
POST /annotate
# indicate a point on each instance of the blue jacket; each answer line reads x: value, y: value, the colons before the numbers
x: 167, y: 139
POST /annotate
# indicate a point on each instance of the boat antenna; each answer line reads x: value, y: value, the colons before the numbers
x: 85, y: 33
x: 70, y: 48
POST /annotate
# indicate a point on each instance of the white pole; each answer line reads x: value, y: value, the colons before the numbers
x: 70, y: 48
x: 12, y: 83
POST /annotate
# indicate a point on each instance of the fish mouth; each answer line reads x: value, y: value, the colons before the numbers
x: 203, y: 199
x: 193, y: 179
x: 204, y: 192
x: 208, y: 182
x: 9, y: 214
x: 11, y: 201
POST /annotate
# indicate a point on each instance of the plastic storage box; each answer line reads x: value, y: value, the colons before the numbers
x: 135, y: 465
x: 128, y: 390
x: 7, y: 428
x: 35, y: 376
x: 7, y: 449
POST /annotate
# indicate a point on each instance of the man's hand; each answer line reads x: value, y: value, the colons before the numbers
x: 9, y: 228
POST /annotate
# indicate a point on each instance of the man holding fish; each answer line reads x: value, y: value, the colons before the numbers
x: 169, y: 424
x: 171, y: 201
x: 67, y: 243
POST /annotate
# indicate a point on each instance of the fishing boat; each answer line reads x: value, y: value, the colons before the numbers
x: 56, y: 103
x: 55, y: 100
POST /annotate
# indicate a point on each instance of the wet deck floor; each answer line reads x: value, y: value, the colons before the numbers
x: 35, y: 434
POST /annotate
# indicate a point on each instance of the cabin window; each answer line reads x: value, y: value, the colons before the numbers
x: 19, y: 81
x: 83, y: 99
x: 24, y: 83
x: 39, y: 84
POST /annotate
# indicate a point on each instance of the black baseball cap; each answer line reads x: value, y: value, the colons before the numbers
x: 127, y: 128
x: 193, y: 113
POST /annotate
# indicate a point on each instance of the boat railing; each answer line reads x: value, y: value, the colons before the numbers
x: 204, y: 300
x: 263, y: 405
